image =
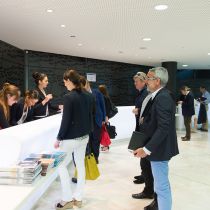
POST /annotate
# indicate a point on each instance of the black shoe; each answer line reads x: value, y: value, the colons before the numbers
x: 138, y: 177
x: 142, y: 195
x: 152, y: 206
x: 205, y: 130
x: 137, y: 181
x: 74, y: 180
x: 185, y: 139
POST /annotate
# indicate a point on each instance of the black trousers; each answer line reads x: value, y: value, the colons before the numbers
x: 94, y: 141
x: 148, y: 177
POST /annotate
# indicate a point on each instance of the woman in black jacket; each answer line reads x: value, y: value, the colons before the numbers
x: 73, y: 136
x: 23, y: 109
x: 43, y: 106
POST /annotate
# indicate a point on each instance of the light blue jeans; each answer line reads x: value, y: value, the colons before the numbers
x: 161, y: 184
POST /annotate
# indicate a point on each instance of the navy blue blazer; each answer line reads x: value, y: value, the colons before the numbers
x: 159, y: 127
x: 188, y: 108
x: 100, y: 113
x: 77, y: 115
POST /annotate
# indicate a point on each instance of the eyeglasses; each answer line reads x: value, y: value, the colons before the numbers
x: 152, y: 78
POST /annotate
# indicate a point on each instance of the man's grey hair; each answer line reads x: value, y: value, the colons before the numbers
x: 162, y: 74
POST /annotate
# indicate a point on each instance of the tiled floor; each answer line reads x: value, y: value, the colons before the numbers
x: 189, y: 175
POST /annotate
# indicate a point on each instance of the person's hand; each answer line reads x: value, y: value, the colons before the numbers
x: 135, y: 111
x: 60, y: 107
x: 57, y: 144
x: 49, y: 96
x: 139, y: 153
x: 106, y: 119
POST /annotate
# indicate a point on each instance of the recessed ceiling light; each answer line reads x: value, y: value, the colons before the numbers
x: 142, y: 48
x: 72, y: 36
x: 208, y: 53
x: 50, y: 10
x: 185, y: 65
x: 63, y: 26
x: 147, y: 39
x: 161, y: 7
x: 80, y: 45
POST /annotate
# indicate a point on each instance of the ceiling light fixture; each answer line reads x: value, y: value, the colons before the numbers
x: 185, y: 65
x: 146, y: 39
x: 49, y: 10
x: 72, y: 36
x: 208, y: 53
x: 80, y: 45
x: 63, y: 26
x: 161, y: 7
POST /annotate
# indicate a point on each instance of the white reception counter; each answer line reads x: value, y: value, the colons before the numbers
x: 38, y: 136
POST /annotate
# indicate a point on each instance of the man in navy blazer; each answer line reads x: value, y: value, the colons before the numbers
x: 159, y: 126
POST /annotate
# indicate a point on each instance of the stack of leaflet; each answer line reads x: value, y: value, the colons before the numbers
x: 26, y: 172
x: 48, y: 160
x: 46, y: 163
x: 57, y: 156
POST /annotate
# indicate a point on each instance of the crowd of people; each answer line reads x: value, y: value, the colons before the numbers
x: 87, y: 110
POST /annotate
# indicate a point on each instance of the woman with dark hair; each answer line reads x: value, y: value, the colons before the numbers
x: 73, y: 137
x: 43, y: 106
x: 108, y: 107
x: 23, y: 109
x: 8, y: 96
x: 188, y: 110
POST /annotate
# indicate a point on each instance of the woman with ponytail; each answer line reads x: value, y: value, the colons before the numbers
x: 43, y: 106
x: 23, y: 110
x: 8, y: 96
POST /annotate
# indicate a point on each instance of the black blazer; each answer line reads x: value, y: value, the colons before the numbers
x: 138, y: 104
x: 159, y: 126
x: 188, y: 108
x: 77, y: 119
x: 17, y: 111
x: 39, y: 109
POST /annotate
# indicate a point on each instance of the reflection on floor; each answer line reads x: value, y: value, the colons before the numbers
x: 189, y: 175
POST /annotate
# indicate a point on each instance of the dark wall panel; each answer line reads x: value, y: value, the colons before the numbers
x: 118, y: 77
x: 11, y: 65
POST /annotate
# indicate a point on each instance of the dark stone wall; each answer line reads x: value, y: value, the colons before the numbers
x: 193, y: 79
x: 118, y: 77
x: 11, y: 65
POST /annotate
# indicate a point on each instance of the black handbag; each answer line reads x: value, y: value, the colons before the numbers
x: 111, y: 130
x: 113, y: 111
x: 138, y: 140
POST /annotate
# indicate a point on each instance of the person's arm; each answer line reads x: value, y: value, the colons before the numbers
x: 16, y: 113
x: 66, y: 118
x: 207, y: 96
x: 102, y: 105
x: 3, y: 121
